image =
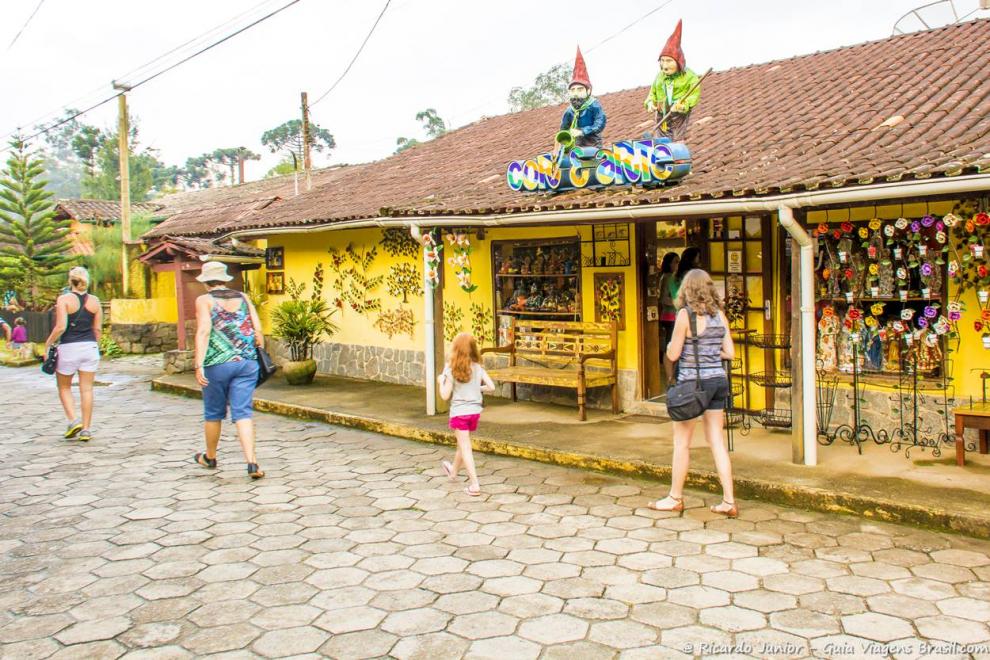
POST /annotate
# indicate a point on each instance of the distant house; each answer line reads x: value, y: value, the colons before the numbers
x: 84, y: 214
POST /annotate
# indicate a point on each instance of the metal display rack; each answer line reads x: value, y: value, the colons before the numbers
x: 772, y: 380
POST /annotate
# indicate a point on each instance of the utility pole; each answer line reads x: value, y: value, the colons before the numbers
x: 123, y: 130
x: 240, y: 167
x: 307, y: 164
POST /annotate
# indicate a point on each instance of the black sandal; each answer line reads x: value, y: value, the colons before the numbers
x: 205, y: 462
x: 254, y: 471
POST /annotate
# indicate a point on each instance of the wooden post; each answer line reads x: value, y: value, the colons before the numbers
x: 240, y: 168
x: 123, y: 128
x: 307, y: 164
x: 439, y: 347
x: 180, y: 300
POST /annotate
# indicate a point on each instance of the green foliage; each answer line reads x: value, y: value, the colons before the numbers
x: 109, y: 349
x: 300, y: 322
x: 105, y: 263
x: 354, y: 285
x: 404, y: 143
x: 549, y: 88
x: 432, y: 123
x: 453, y: 318
x: 34, y: 246
x: 148, y: 175
x: 285, y: 167
x: 211, y: 168
x: 288, y: 137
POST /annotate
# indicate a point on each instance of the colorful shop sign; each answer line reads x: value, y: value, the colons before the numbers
x: 648, y: 162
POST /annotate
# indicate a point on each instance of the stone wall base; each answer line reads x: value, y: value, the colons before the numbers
x: 150, y: 337
x: 388, y: 365
x: 177, y: 362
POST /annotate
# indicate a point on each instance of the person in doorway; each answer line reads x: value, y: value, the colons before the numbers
x: 698, y: 297
x: 675, y: 91
x: 78, y: 324
x: 464, y: 381
x: 19, y: 337
x: 227, y: 333
x: 689, y: 260
x: 668, y: 313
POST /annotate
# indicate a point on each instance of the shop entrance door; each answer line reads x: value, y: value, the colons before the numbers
x: 648, y: 299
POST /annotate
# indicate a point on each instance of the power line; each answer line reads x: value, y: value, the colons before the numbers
x: 354, y: 59
x: 593, y: 48
x: 151, y: 77
x: 24, y: 27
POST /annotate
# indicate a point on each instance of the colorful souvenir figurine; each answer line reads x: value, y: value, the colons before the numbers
x: 585, y: 119
x: 676, y: 90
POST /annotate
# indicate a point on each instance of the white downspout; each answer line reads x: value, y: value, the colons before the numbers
x: 807, y: 278
x: 429, y: 355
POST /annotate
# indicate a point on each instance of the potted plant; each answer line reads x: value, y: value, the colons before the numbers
x: 300, y: 324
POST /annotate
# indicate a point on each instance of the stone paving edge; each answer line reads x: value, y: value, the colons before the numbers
x: 800, y: 496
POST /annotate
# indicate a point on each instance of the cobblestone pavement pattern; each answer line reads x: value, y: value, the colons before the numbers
x: 355, y: 546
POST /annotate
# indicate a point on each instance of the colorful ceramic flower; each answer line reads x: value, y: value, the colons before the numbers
x: 875, y: 224
x: 982, y: 271
x: 902, y: 273
x: 826, y: 273
x: 982, y: 219
x: 871, y: 322
x: 874, y: 269
x: 823, y: 228
x: 970, y: 226
x: 854, y: 313
x: 953, y: 268
x: 950, y: 220
x: 876, y: 309
x: 955, y: 306
x: 864, y: 233
x: 927, y: 221
x: 985, y: 315
x: 888, y: 231
x: 898, y: 326
x: 836, y: 233
x: 942, y: 325
x: 940, y: 237
x: 955, y: 316
x: 907, y: 314
x: 846, y: 227
x: 915, y: 226
x: 848, y: 324
x: 940, y: 225
x: 931, y: 311
x: 848, y: 272
x: 978, y: 325
x: 901, y: 223
x: 922, y: 322
x: 926, y: 269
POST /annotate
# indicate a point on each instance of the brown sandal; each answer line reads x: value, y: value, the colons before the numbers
x: 677, y: 508
x: 731, y: 512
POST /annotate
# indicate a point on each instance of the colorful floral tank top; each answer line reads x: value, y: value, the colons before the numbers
x: 232, y: 337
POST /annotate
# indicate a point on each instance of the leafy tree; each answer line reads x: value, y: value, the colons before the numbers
x: 34, y: 246
x: 403, y: 143
x: 549, y: 88
x: 69, y: 153
x: 231, y: 158
x: 432, y: 123
x: 104, y: 263
x: 105, y: 182
x: 285, y: 166
x: 288, y: 137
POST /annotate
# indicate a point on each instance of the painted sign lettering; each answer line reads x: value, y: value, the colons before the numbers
x: 634, y: 162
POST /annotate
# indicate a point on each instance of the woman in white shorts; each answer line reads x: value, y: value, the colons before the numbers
x: 78, y: 321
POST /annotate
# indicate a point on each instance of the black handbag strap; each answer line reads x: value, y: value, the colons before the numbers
x: 693, y: 321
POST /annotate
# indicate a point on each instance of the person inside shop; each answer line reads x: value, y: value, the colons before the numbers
x: 676, y: 90
x: 668, y: 313
x: 700, y: 308
x: 585, y: 118
x: 689, y: 260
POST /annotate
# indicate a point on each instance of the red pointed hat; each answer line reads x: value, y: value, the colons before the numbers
x: 672, y: 48
x: 580, y: 76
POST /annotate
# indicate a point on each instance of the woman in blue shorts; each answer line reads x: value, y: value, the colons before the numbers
x: 227, y: 332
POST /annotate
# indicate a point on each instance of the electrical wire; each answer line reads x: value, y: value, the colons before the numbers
x: 593, y: 48
x: 24, y: 27
x: 151, y: 77
x: 356, y: 55
x: 89, y: 97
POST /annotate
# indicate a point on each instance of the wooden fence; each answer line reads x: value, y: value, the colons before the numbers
x: 39, y: 324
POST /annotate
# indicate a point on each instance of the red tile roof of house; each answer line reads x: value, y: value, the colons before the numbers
x: 822, y: 120
x: 205, y: 219
x: 99, y: 210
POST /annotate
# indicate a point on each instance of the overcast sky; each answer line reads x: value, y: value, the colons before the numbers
x: 461, y: 57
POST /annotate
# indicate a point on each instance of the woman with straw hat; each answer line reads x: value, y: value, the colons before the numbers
x: 78, y: 324
x: 227, y: 332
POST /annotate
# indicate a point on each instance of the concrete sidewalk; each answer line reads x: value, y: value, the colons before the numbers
x: 883, y: 485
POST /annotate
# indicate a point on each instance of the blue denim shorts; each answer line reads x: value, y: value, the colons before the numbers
x: 231, y: 384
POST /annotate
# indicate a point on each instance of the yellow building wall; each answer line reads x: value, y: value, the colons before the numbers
x: 304, y: 251
x: 970, y: 357
x: 143, y: 310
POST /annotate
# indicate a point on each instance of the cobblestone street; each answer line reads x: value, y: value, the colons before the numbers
x: 356, y: 545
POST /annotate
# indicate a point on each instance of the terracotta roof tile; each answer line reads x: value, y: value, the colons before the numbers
x: 806, y: 122
x: 99, y: 210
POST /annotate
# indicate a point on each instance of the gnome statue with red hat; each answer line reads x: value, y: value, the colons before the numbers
x: 675, y: 91
x: 585, y: 118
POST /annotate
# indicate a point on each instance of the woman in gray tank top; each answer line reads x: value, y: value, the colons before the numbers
x: 698, y: 294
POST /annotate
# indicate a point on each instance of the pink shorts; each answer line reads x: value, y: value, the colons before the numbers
x: 465, y: 422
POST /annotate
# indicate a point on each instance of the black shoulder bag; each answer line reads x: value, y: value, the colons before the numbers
x: 51, y: 359
x: 688, y: 400
x: 266, y: 367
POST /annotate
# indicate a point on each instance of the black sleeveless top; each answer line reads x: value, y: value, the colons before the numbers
x: 80, y: 324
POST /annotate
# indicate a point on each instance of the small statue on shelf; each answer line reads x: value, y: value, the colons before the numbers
x: 520, y: 300
x: 526, y: 263
x: 828, y: 330
x: 928, y: 351
x: 892, y: 349
x: 569, y: 266
x: 874, y: 350
x: 504, y: 268
x: 554, y: 265
x: 539, y: 264
x: 514, y: 266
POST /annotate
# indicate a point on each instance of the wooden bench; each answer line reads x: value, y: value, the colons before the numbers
x: 576, y: 355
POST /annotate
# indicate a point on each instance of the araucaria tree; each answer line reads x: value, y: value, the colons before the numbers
x: 34, y: 246
x: 288, y: 137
